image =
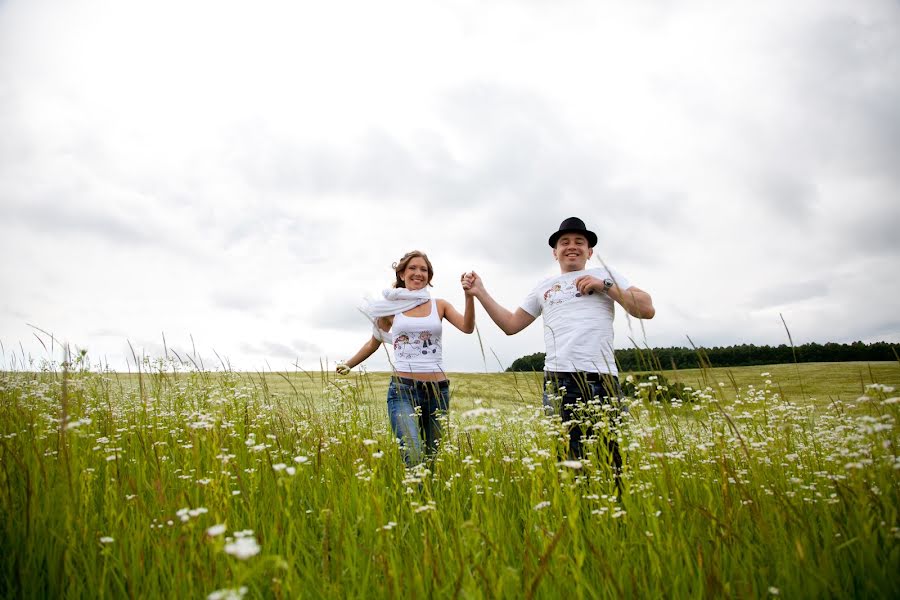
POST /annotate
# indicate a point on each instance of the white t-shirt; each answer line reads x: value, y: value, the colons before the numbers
x: 578, y: 329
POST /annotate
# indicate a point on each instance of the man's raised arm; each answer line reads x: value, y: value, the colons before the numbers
x: 510, y: 323
x: 636, y: 301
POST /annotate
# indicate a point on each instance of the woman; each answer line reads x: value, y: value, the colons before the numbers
x: 411, y: 321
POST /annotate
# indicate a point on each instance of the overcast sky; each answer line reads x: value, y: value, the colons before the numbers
x: 236, y: 176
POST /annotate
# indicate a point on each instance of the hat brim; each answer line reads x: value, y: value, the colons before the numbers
x: 590, y: 235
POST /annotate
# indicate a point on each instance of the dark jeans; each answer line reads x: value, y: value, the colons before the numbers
x: 583, y: 400
x: 414, y: 408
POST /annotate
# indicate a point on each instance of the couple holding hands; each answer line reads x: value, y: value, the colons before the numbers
x: 578, y: 307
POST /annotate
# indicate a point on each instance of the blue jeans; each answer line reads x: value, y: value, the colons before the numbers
x: 569, y: 394
x: 414, y: 408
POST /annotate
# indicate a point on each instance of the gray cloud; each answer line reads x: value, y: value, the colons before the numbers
x: 536, y: 170
x: 13, y: 312
x: 280, y: 350
x: 779, y: 294
x: 379, y: 167
x: 872, y: 229
x: 789, y: 195
x: 874, y: 332
x: 851, y: 75
x: 107, y: 332
x: 243, y: 299
x: 58, y: 212
x: 339, y: 312
x: 527, y: 157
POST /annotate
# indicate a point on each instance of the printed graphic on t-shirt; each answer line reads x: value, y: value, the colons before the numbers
x: 416, y: 343
x: 561, y: 292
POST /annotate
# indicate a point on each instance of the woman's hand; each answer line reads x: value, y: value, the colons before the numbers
x: 471, y: 283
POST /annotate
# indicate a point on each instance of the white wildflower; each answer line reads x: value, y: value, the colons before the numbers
x: 571, y: 464
x: 228, y: 594
x: 243, y: 548
x: 78, y: 423
x: 478, y: 412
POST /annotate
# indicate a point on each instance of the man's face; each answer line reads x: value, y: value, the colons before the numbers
x: 572, y: 252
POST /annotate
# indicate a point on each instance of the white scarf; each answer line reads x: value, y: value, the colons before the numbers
x: 396, y: 300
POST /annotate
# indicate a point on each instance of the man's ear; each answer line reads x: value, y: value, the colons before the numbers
x: 555, y: 257
x: 590, y: 253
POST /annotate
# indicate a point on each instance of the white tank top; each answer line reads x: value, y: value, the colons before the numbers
x: 417, y: 342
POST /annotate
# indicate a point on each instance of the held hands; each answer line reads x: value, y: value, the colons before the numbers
x: 471, y: 283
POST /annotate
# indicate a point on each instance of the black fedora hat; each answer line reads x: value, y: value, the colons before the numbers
x: 574, y: 225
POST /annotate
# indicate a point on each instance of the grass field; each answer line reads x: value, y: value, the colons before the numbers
x: 774, y: 481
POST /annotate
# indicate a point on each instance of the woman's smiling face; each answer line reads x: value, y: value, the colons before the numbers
x: 415, y: 275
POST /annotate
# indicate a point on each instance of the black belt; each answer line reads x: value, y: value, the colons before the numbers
x: 421, y: 384
x: 580, y: 376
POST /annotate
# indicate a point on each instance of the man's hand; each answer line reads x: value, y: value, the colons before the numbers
x: 342, y: 369
x: 588, y: 284
x: 472, y: 284
x: 465, y: 280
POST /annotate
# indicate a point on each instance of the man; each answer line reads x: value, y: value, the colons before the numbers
x: 578, y: 307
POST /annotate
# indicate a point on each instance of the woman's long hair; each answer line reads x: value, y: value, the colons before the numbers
x: 401, y: 264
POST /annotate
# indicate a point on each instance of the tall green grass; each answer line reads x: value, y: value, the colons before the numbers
x: 114, y: 486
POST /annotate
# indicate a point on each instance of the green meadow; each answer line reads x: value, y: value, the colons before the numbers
x: 776, y: 481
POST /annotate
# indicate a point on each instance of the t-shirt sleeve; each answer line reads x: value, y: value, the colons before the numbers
x: 532, y: 303
x: 620, y: 279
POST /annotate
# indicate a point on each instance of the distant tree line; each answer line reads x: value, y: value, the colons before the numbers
x: 653, y: 359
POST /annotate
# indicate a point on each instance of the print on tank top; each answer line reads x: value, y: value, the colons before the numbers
x: 409, y: 344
